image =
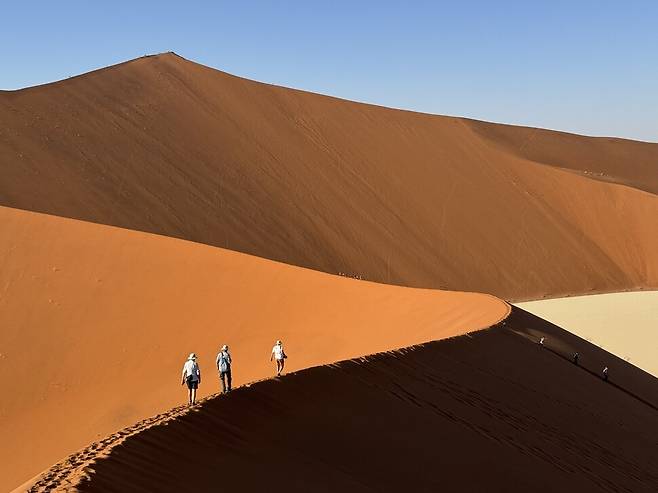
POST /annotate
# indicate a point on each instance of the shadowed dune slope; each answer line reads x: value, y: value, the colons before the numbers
x: 96, y: 323
x: 492, y: 411
x: 164, y: 145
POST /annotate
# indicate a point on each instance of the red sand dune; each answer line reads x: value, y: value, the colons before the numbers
x: 97, y: 320
x: 628, y: 162
x: 96, y: 323
x: 164, y: 145
x: 492, y: 411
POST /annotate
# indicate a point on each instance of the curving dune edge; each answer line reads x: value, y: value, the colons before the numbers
x: 98, y: 321
x: 487, y: 411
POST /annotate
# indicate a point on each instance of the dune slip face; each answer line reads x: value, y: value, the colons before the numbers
x: 488, y: 411
x: 164, y: 145
x: 98, y: 321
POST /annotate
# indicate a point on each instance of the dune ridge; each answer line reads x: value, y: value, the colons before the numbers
x: 622, y: 323
x: 164, y: 145
x: 97, y: 321
x: 418, y: 419
x: 118, y: 186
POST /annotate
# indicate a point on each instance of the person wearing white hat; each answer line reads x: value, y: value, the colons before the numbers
x: 223, y: 363
x: 191, y: 376
x: 279, y: 355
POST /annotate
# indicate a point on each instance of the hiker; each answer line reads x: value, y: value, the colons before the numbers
x: 605, y: 374
x: 279, y: 355
x: 191, y: 376
x: 541, y: 341
x: 223, y: 363
x: 575, y: 358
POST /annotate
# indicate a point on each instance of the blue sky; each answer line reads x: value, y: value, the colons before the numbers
x: 582, y: 66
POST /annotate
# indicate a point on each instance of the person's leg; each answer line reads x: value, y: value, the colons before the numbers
x: 193, y: 396
x: 228, y: 377
x: 222, y: 378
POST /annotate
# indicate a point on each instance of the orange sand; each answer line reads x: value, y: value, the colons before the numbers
x: 492, y: 411
x: 164, y: 145
x: 97, y: 322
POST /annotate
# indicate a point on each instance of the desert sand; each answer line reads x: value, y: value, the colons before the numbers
x: 97, y: 322
x: 160, y: 207
x: 607, y: 159
x: 492, y: 411
x: 164, y: 145
x: 626, y: 324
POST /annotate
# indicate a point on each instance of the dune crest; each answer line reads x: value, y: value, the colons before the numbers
x: 97, y: 321
x: 164, y: 145
x: 492, y: 411
x: 622, y: 323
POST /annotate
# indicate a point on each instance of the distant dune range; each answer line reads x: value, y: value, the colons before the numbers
x: 164, y: 145
x: 96, y: 322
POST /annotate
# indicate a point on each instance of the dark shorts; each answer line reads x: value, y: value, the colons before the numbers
x: 192, y: 384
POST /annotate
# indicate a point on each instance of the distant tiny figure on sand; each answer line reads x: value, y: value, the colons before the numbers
x: 541, y: 341
x: 605, y: 373
x: 223, y: 363
x: 279, y: 355
x: 191, y: 376
x: 575, y: 358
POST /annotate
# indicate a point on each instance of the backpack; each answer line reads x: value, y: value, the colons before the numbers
x: 223, y: 362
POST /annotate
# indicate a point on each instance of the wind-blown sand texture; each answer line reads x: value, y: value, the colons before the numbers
x: 626, y: 324
x: 97, y: 322
x: 492, y: 411
x: 164, y: 145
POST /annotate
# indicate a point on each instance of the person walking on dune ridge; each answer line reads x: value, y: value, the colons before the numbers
x: 279, y: 356
x: 192, y: 376
x: 223, y: 363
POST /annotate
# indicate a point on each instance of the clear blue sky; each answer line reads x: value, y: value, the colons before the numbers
x: 582, y: 66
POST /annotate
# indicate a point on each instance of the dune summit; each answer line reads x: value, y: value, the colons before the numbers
x: 97, y: 322
x: 164, y: 145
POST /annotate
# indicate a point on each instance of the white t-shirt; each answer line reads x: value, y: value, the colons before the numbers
x: 277, y: 350
x: 190, y: 368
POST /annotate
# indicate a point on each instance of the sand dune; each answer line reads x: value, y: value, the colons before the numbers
x: 97, y: 321
x: 492, y: 411
x: 164, y: 145
x: 607, y: 159
x: 626, y: 324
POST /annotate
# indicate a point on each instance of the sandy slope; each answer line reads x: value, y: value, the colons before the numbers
x: 607, y: 159
x: 97, y: 321
x: 626, y: 324
x: 492, y: 411
x: 164, y: 145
